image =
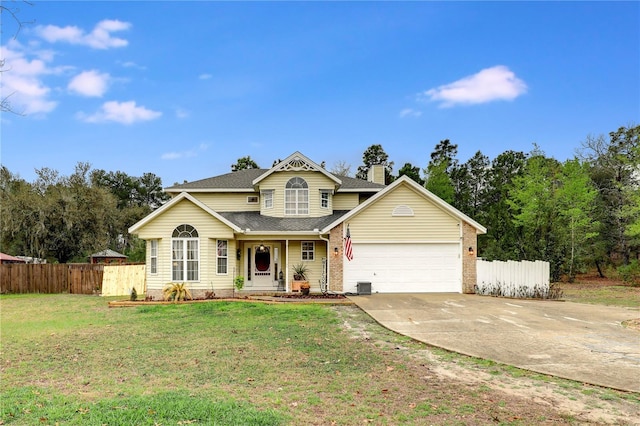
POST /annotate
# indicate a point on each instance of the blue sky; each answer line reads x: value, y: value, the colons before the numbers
x: 183, y: 89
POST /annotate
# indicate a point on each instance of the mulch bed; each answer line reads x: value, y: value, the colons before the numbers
x: 311, y: 296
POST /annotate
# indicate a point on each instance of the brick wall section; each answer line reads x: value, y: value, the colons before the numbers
x: 336, y: 262
x: 469, y: 275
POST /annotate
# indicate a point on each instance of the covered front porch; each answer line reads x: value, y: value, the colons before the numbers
x: 267, y: 264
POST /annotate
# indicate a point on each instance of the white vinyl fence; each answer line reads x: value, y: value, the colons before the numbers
x: 522, y: 279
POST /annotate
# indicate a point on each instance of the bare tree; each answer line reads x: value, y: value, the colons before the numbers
x: 341, y: 168
x: 12, y: 9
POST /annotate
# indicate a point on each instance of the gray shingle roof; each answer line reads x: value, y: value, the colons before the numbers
x: 257, y: 222
x: 108, y: 253
x: 242, y: 180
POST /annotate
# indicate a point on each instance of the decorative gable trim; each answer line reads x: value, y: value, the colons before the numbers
x: 404, y: 180
x: 182, y: 196
x: 297, y: 162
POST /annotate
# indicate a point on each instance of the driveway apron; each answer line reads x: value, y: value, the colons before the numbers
x: 586, y: 343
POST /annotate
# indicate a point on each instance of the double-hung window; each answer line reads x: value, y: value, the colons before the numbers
x: 308, y: 250
x: 296, y: 197
x: 185, y: 254
x: 267, y: 199
x: 324, y: 199
x: 153, y: 256
x: 222, y: 256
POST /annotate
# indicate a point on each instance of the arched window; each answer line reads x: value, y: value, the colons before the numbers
x: 296, y: 197
x: 185, y: 254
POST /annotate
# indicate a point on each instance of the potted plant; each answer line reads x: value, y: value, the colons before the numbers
x: 299, y: 276
x: 305, y: 287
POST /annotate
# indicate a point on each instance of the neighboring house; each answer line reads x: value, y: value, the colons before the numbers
x: 107, y: 256
x: 7, y: 258
x: 259, y: 223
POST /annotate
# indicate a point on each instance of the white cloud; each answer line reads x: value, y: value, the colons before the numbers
x: 131, y: 64
x: 176, y: 155
x: 490, y: 84
x: 205, y: 76
x: 120, y: 112
x: 99, y: 38
x: 409, y: 112
x: 89, y: 83
x: 22, y: 80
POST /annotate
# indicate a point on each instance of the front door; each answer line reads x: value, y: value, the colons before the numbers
x: 262, y: 269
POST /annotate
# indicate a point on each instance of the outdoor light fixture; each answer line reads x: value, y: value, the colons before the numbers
x: 335, y: 251
x: 471, y: 252
x: 261, y: 248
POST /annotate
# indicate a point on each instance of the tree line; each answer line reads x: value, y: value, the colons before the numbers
x: 67, y: 218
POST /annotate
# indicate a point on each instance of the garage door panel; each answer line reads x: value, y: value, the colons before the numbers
x: 403, y: 268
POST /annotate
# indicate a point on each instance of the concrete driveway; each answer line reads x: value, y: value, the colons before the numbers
x: 586, y: 343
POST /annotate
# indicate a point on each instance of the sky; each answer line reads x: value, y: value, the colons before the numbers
x: 184, y: 89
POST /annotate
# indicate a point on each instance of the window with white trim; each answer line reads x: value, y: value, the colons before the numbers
x: 324, y: 199
x: 267, y: 198
x: 222, y: 255
x: 296, y: 197
x: 185, y: 254
x: 153, y: 256
x: 252, y: 199
x: 308, y: 250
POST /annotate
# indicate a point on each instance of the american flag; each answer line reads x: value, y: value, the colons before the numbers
x: 348, y: 251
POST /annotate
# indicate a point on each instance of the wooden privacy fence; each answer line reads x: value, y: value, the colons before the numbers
x: 61, y: 278
x: 513, y: 279
x: 118, y: 280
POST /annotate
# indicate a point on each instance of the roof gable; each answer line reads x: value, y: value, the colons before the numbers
x: 183, y: 195
x: 297, y: 162
x: 406, y: 181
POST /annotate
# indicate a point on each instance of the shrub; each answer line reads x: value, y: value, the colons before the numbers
x: 630, y: 273
x: 176, y: 292
x: 238, y: 282
x: 134, y: 294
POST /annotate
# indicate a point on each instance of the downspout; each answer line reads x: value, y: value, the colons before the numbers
x: 328, y: 254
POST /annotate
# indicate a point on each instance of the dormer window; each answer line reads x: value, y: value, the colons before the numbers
x: 296, y: 197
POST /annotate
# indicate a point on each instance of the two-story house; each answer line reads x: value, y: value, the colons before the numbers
x: 259, y: 223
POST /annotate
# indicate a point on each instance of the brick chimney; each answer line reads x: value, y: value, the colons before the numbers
x: 376, y: 174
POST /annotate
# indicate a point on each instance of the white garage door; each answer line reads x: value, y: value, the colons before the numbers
x: 405, y: 268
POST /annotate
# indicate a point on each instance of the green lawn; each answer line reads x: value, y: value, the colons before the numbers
x: 70, y: 360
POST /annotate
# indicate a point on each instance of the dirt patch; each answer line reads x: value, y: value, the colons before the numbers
x: 583, y: 403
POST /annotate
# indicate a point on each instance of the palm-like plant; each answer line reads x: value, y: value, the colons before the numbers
x: 176, y: 292
x: 299, y: 271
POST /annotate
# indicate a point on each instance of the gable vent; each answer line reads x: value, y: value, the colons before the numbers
x: 402, y: 210
x: 296, y: 164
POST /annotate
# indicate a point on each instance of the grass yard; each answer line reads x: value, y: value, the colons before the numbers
x: 590, y: 288
x: 70, y: 360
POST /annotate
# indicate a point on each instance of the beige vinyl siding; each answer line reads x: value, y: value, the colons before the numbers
x: 315, y: 266
x: 429, y: 223
x: 209, y: 229
x: 345, y: 201
x: 315, y: 180
x: 229, y: 202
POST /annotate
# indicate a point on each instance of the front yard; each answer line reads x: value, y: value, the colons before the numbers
x: 69, y: 359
